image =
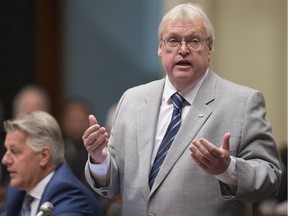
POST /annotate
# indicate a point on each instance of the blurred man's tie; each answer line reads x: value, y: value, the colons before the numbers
x: 169, y: 136
x: 26, y: 207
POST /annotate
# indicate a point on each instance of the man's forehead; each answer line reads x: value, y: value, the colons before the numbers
x: 185, y: 25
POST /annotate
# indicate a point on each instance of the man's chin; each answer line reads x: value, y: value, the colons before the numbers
x: 14, y: 183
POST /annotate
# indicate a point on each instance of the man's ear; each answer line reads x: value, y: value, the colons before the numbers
x: 46, y: 156
x: 160, y: 49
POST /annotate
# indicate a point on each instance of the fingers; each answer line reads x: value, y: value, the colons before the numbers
x: 94, y: 126
x: 203, y: 153
x: 95, y: 139
x: 225, y: 144
x: 208, y: 156
x: 92, y: 120
x: 207, y: 149
x: 198, y: 157
x: 95, y: 136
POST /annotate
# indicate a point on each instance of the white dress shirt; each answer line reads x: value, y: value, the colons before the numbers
x: 38, y: 191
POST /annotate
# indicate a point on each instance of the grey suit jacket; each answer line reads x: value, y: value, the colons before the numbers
x: 182, y: 187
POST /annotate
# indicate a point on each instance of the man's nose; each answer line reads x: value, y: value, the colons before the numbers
x: 183, y: 48
x: 6, y: 158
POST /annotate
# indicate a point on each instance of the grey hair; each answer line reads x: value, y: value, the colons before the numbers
x: 43, y: 131
x: 188, y: 12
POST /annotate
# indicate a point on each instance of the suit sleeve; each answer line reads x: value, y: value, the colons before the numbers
x: 257, y: 159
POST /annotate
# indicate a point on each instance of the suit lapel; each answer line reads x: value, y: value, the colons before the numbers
x: 195, y: 119
x: 147, y: 116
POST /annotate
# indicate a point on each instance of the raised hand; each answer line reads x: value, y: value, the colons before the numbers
x: 95, y: 139
x: 212, y: 159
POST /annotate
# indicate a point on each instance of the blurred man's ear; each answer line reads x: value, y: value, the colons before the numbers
x: 46, y: 155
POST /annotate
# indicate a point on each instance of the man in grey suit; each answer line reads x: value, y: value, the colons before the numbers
x: 223, y: 157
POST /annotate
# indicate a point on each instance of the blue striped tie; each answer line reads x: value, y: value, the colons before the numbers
x: 26, y: 208
x: 169, y: 136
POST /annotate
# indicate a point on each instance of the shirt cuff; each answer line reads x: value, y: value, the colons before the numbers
x: 230, y: 175
x: 99, y: 171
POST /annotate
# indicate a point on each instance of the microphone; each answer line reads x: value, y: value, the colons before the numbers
x: 45, y: 209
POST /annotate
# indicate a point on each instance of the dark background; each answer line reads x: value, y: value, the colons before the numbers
x: 30, y: 49
x: 93, y: 51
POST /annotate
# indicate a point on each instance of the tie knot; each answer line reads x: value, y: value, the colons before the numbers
x: 178, y: 100
x: 27, y: 201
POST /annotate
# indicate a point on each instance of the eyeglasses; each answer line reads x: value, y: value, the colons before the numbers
x: 173, y: 43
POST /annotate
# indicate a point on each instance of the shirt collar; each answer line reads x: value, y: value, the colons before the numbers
x: 189, y: 93
x: 38, y: 190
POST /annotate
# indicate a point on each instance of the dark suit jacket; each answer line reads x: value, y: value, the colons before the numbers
x: 68, y: 195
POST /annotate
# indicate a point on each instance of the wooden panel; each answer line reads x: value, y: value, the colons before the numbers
x: 48, y: 51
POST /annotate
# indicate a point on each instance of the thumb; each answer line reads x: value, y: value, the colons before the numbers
x: 92, y: 120
x: 226, y: 144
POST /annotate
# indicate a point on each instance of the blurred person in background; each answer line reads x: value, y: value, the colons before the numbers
x: 3, y: 171
x: 73, y: 122
x: 35, y: 160
x: 2, y: 134
x: 31, y: 98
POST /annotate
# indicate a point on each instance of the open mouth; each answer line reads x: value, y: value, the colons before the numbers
x: 183, y: 63
x: 11, y: 172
